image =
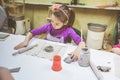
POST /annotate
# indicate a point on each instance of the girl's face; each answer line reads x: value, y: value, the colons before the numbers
x: 56, y: 23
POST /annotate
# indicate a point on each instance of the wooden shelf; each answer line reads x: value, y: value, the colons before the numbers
x: 95, y: 7
x: 74, y: 6
x: 36, y: 3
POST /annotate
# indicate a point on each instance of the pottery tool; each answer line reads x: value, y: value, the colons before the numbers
x: 96, y: 71
x: 15, y: 69
x: 81, y: 35
x: 24, y: 49
x: 3, y: 37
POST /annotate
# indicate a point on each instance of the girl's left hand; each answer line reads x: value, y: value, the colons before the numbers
x: 75, y: 53
x: 74, y: 56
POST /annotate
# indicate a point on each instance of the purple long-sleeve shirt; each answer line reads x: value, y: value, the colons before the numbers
x: 64, y: 32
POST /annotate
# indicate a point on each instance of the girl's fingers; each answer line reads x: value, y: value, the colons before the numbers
x: 21, y: 45
x: 75, y: 58
x: 18, y: 47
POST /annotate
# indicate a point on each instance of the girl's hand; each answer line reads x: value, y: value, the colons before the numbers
x: 76, y: 52
x: 21, y: 45
x: 116, y: 50
x: 74, y: 56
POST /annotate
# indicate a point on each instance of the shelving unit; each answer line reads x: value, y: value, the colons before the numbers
x: 13, y: 7
x: 74, y: 6
x: 95, y: 7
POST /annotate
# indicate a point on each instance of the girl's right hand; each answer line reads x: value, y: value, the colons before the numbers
x: 21, y: 45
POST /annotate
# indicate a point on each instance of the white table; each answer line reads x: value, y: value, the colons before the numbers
x: 34, y: 68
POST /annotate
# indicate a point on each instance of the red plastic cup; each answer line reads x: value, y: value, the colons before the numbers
x: 56, y: 63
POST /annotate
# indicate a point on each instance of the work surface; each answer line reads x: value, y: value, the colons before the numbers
x: 37, y: 68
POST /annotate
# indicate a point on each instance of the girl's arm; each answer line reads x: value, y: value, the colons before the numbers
x: 78, y: 40
x: 37, y: 31
x: 25, y: 42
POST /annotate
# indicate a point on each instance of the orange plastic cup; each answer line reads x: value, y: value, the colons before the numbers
x: 56, y: 63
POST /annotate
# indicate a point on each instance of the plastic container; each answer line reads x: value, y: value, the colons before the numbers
x: 95, y: 35
x: 56, y: 63
x: 20, y: 27
x: 84, y: 57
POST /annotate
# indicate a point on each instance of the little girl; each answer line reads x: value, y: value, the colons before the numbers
x: 59, y: 28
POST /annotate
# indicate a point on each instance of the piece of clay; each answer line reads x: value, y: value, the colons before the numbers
x: 104, y: 68
x: 49, y: 49
x: 68, y: 59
